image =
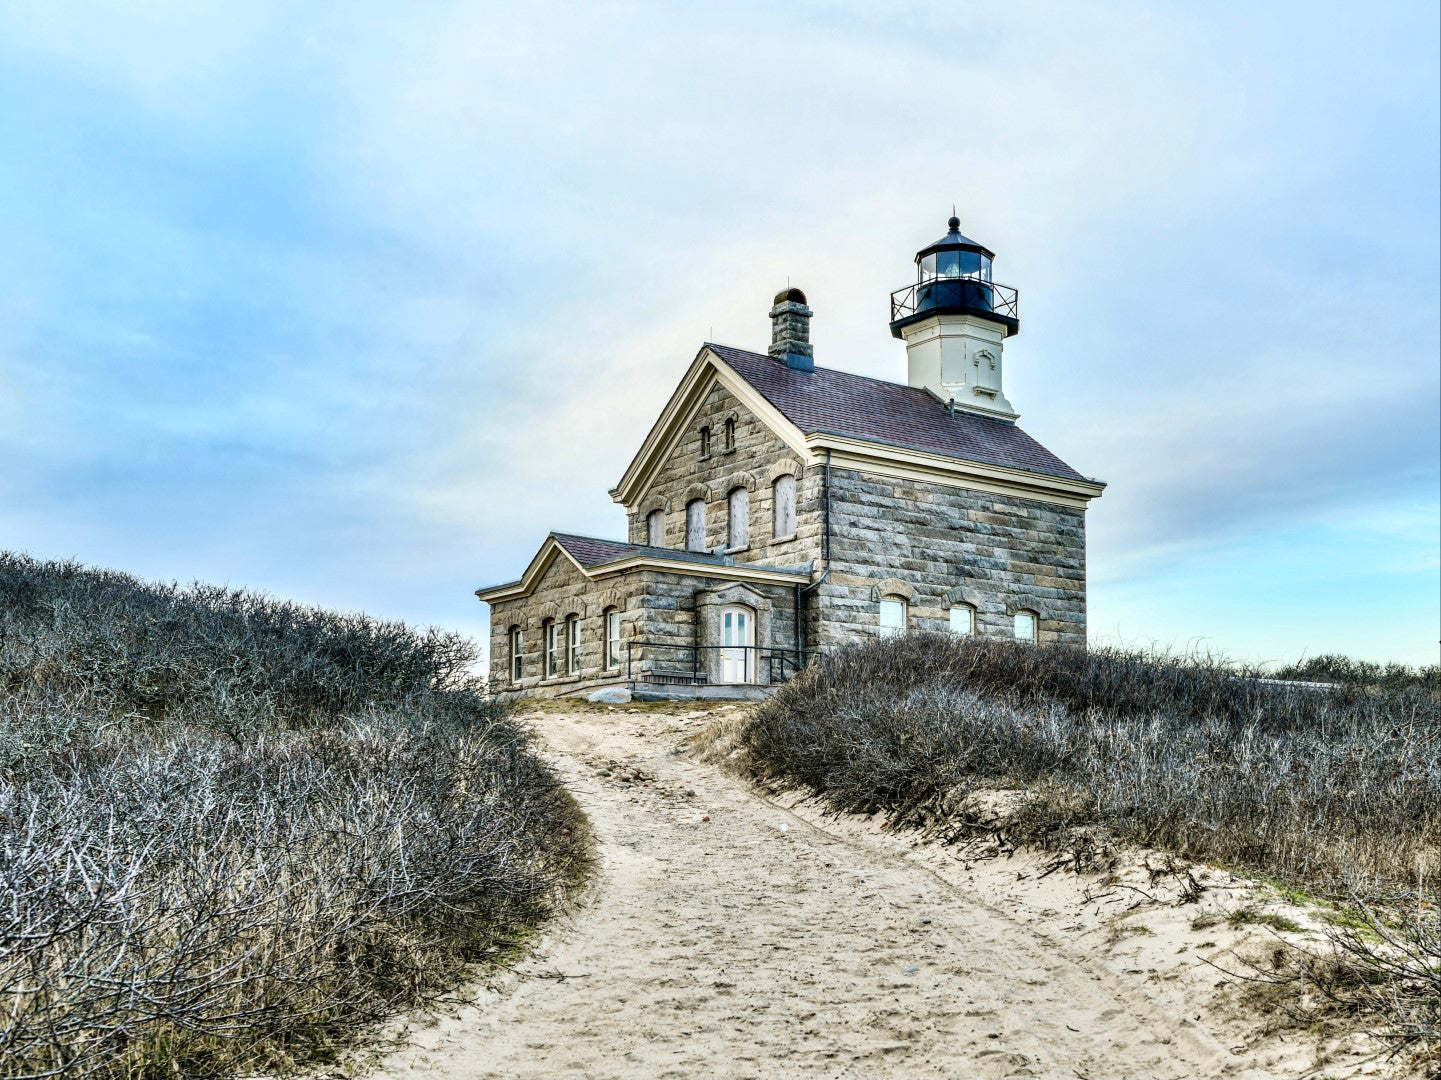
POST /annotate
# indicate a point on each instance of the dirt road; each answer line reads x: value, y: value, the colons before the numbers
x: 728, y: 936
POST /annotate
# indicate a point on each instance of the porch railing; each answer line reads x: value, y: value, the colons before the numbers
x: 669, y: 663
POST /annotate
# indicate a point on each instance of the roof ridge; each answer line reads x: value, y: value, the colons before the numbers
x: 889, y: 413
x: 850, y: 375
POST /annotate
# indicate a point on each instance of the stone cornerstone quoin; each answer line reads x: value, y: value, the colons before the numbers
x: 778, y: 509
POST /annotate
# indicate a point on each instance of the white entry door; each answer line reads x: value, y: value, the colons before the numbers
x: 737, y: 658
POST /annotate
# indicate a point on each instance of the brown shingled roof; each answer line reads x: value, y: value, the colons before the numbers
x: 837, y: 402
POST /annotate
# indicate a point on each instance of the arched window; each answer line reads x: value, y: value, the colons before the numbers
x: 695, y: 525
x: 738, y: 529
x: 552, y: 647
x: 517, y: 654
x: 783, y: 496
x: 572, y: 643
x: 730, y: 434
x: 612, y: 638
x: 893, y: 616
x: 655, y: 528
x: 705, y: 441
x: 963, y: 619
x: 1026, y: 623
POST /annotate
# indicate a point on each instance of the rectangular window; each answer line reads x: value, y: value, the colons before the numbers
x: 705, y: 442
x: 963, y: 620
x: 612, y: 639
x: 572, y: 639
x: 738, y: 533
x: 695, y: 525
x: 655, y: 528
x: 1026, y: 626
x: 893, y: 617
x: 552, y: 649
x: 784, y: 491
x: 517, y: 655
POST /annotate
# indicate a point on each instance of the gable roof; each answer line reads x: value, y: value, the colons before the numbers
x: 595, y: 557
x: 590, y: 551
x: 825, y: 400
x: 875, y: 426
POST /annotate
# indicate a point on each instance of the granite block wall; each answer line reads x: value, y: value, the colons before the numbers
x: 936, y: 545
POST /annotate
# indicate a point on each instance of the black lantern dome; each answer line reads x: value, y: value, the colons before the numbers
x: 953, y: 277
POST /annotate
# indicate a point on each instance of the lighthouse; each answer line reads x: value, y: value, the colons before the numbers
x: 954, y: 320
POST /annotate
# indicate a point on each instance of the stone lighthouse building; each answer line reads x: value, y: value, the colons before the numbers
x: 778, y: 508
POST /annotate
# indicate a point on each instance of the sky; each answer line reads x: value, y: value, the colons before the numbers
x: 353, y: 303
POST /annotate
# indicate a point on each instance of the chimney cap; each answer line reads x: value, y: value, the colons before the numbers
x: 794, y: 296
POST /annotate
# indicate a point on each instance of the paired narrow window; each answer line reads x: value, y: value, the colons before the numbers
x: 612, y: 638
x: 738, y: 529
x: 695, y: 525
x: 705, y: 441
x: 730, y: 434
x: 552, y: 648
x: 655, y: 528
x: 572, y: 643
x: 1026, y: 626
x: 783, y: 495
x: 963, y: 619
x: 893, y: 616
x: 517, y: 654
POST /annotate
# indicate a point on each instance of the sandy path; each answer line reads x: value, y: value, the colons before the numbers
x: 763, y: 943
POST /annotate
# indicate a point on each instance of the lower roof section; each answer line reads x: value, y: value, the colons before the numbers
x: 597, y: 558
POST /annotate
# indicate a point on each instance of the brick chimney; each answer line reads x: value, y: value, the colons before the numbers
x: 791, y: 330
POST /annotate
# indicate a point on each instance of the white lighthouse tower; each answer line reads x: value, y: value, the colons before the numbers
x: 954, y: 321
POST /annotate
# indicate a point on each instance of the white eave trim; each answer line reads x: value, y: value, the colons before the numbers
x: 543, y: 558
x: 675, y: 419
x: 698, y: 569
x: 910, y: 464
x: 516, y: 590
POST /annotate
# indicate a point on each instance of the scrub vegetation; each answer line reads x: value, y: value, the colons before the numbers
x: 232, y: 829
x: 1335, y: 790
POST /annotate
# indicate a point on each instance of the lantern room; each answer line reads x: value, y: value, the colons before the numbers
x: 953, y: 276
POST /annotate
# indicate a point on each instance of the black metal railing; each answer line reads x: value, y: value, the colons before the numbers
x: 672, y: 664
x: 975, y: 294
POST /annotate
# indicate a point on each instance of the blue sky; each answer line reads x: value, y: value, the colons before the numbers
x: 353, y: 303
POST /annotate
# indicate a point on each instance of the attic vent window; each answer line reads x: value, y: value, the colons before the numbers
x: 738, y: 529
x: 695, y: 525
x: 783, y: 502
x: 730, y: 443
x: 705, y: 441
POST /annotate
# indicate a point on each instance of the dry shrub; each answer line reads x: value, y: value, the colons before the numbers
x: 1313, y: 787
x: 231, y: 829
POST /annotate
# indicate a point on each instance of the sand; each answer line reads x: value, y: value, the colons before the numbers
x: 733, y: 935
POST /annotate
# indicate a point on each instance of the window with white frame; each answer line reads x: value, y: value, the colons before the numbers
x: 612, y: 638
x: 893, y: 616
x: 572, y: 643
x: 655, y: 528
x: 783, y: 493
x: 552, y: 648
x: 695, y: 525
x: 517, y: 654
x: 1026, y: 626
x: 705, y: 441
x: 730, y: 434
x: 738, y: 528
x: 963, y: 619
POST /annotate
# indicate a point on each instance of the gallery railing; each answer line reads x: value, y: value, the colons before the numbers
x: 973, y: 293
x: 672, y: 664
